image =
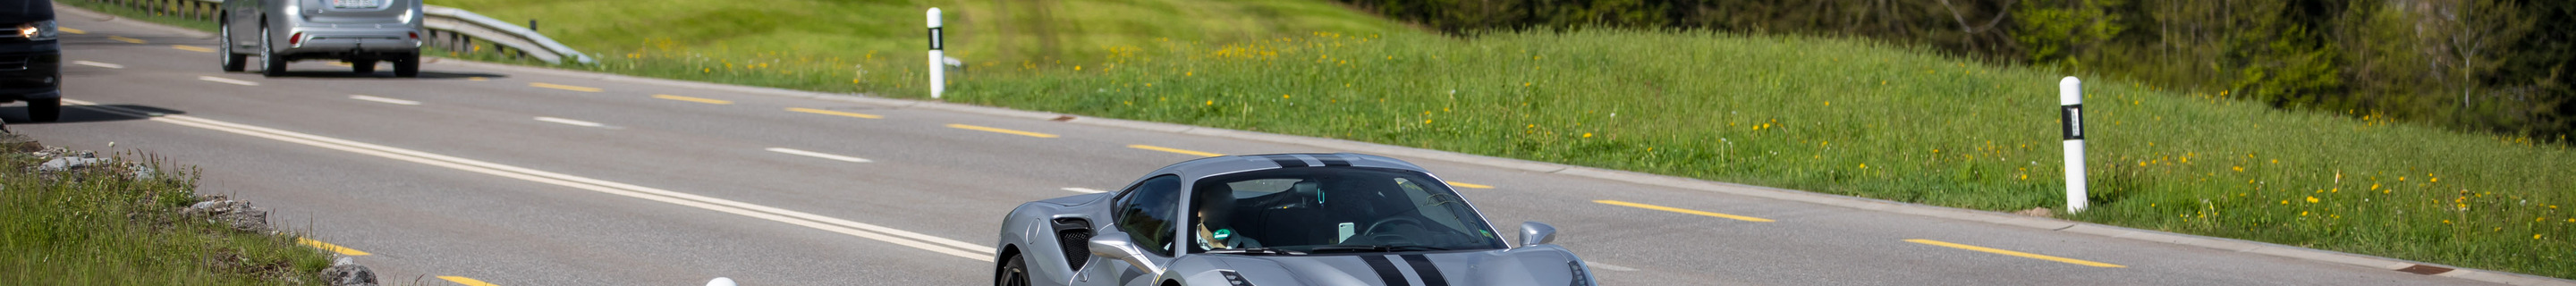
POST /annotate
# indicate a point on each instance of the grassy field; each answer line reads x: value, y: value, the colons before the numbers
x: 99, y: 226
x: 984, y: 33
x: 1834, y: 116
x: 1862, y: 119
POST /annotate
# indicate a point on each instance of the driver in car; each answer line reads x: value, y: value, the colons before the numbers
x: 1215, y: 208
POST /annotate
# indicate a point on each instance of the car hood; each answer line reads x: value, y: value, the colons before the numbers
x: 1541, y: 265
x: 13, y: 12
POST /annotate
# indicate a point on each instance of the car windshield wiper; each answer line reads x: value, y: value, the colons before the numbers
x: 1256, y: 250
x: 1373, y: 248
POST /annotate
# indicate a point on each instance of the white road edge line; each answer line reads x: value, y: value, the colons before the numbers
x: 384, y: 100
x: 819, y: 155
x: 571, y: 122
x: 1607, y: 266
x: 99, y: 64
x: 227, y: 80
x: 819, y: 222
x: 1085, y: 190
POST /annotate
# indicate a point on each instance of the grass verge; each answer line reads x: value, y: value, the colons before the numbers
x: 105, y: 226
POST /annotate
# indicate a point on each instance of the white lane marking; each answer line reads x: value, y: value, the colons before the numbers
x: 819, y: 222
x: 571, y: 122
x: 819, y: 155
x: 98, y: 64
x: 384, y: 100
x: 1085, y: 190
x: 1607, y: 266
x: 227, y: 80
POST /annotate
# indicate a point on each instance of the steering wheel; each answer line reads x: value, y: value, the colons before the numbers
x: 1373, y: 227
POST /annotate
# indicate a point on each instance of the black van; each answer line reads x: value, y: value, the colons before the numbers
x: 31, y: 59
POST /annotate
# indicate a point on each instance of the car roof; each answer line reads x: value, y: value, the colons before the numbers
x: 1220, y: 165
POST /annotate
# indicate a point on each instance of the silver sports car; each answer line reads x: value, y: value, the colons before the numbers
x: 1275, y: 220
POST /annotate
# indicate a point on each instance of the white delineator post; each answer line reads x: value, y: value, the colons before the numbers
x: 2070, y: 111
x: 938, y: 71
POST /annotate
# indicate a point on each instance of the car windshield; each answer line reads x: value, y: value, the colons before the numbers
x: 1332, y: 209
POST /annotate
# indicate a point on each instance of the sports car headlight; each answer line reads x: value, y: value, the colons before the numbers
x: 38, y: 31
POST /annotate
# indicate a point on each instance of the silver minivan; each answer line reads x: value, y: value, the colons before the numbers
x: 359, y: 32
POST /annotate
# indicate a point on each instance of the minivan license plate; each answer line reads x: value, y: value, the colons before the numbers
x: 359, y: 4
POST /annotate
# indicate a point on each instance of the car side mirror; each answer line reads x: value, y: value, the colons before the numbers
x: 1534, y: 233
x: 1115, y: 245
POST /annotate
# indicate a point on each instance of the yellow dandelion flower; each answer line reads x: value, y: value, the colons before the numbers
x: 1077, y: 68
x: 1587, y: 135
x: 2435, y: 180
x: 2303, y: 213
x: 1428, y: 121
x: 1211, y: 102
x: 2240, y: 168
x: 2285, y: 202
x: 1283, y: 96
x: 2312, y: 200
x: 1864, y: 165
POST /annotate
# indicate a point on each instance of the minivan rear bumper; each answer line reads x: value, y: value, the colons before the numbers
x: 345, y: 43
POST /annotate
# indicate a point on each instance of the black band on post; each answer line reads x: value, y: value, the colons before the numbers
x: 934, y: 40
x: 2073, y: 117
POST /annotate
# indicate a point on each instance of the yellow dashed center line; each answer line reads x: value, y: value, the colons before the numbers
x: 466, y: 281
x: 1165, y: 149
x: 73, y: 31
x: 1470, y: 186
x: 125, y: 39
x: 692, y: 99
x: 1003, y: 131
x: 192, y: 48
x: 477, y: 78
x: 2015, y: 253
x: 1681, y: 210
x: 334, y: 248
x: 564, y: 87
x: 336, y: 64
x: 835, y: 113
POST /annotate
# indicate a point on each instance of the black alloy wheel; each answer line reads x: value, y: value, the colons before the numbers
x: 1013, y: 273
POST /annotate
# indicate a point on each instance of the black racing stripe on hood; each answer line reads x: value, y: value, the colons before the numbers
x: 1285, y: 161
x: 1385, y: 270
x: 1333, y: 160
x: 1430, y: 272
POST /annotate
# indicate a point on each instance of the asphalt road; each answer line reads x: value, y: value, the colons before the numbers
x: 505, y: 176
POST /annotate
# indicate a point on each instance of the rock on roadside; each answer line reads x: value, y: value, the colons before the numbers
x: 347, y: 272
x: 239, y: 214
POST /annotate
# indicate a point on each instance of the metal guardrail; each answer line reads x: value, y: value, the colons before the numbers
x: 448, y: 28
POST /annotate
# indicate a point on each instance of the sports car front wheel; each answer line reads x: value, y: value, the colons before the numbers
x: 1014, y: 273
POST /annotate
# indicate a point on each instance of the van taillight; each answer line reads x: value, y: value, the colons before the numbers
x: 297, y: 39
